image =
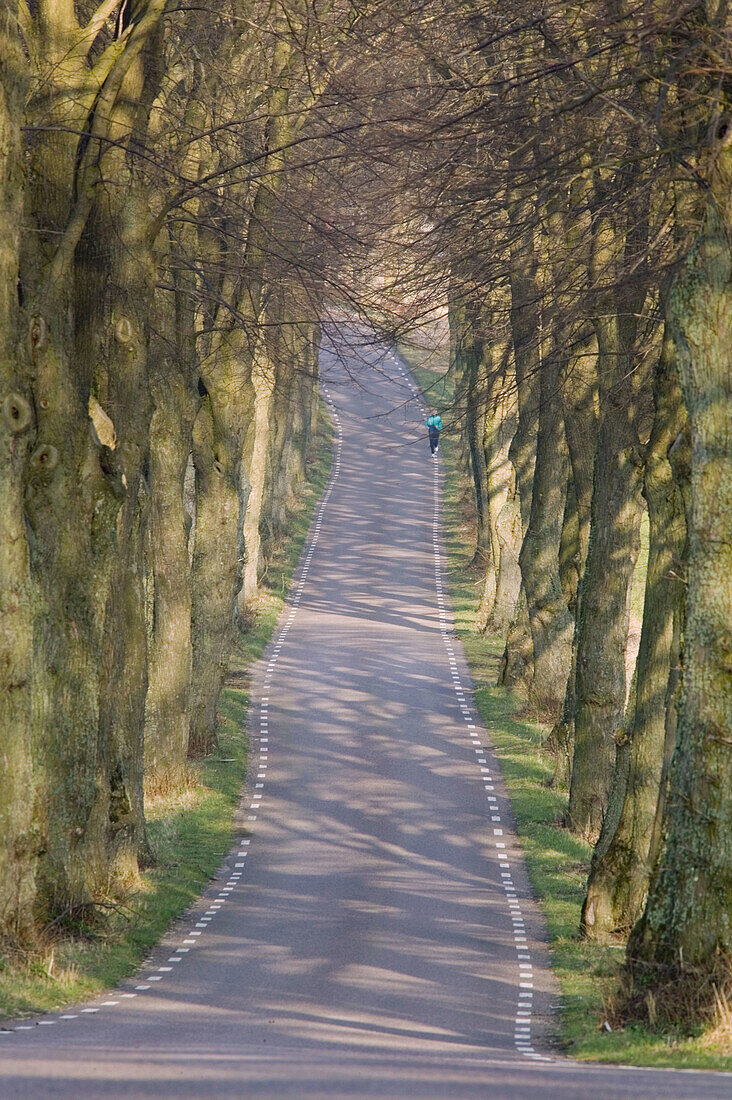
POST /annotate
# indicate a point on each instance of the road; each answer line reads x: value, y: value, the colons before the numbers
x: 372, y: 932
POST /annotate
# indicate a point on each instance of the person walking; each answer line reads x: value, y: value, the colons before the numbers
x: 434, y: 427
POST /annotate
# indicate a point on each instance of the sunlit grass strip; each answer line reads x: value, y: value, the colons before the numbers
x: 189, y: 828
x: 558, y: 862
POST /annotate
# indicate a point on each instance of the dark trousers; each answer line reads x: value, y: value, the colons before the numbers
x: 434, y: 439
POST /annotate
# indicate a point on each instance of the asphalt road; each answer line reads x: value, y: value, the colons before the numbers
x: 372, y: 932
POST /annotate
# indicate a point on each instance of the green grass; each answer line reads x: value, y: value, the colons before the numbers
x: 189, y: 830
x: 588, y: 973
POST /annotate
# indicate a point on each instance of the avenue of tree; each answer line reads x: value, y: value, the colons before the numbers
x: 186, y: 195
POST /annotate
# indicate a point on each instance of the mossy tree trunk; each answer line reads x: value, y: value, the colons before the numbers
x: 624, y: 857
x: 292, y: 400
x: 218, y: 555
x: 579, y: 389
x: 113, y: 311
x: 264, y: 373
x: 122, y: 378
x: 600, y: 690
x: 474, y: 352
x: 72, y: 508
x: 17, y: 433
x: 459, y: 346
x: 525, y: 336
x: 579, y: 405
x: 688, y: 919
x: 173, y: 377
x: 549, y: 615
x: 64, y: 491
x: 517, y: 662
x: 76, y: 484
x: 617, y: 505
x: 286, y: 425
x: 503, y: 506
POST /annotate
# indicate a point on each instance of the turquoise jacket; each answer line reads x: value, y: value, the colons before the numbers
x: 434, y: 422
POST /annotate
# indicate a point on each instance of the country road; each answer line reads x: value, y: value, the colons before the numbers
x: 372, y: 932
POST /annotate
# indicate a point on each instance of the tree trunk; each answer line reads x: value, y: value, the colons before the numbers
x: 602, y: 628
x: 476, y: 396
x: 17, y: 844
x: 549, y: 616
x: 508, y: 581
x: 624, y: 858
x: 503, y: 576
x: 72, y: 504
x: 170, y: 651
x: 569, y: 550
x: 600, y: 690
x: 131, y: 272
x: 579, y: 398
x: 216, y: 571
x: 688, y: 918
x: 263, y: 381
x: 291, y: 405
x: 287, y: 425
x: 517, y: 663
x: 459, y: 366
x: 82, y: 503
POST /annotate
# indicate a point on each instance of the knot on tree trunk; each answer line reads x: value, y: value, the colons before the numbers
x: 17, y: 413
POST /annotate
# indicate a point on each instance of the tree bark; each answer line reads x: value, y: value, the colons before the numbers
x: 688, y: 918
x: 602, y: 628
x: 625, y: 855
x: 264, y: 375
x: 17, y: 428
x: 517, y: 662
x: 503, y: 507
x: 549, y: 616
x: 600, y: 690
x: 579, y: 401
x: 170, y: 649
x: 217, y: 561
x: 476, y: 384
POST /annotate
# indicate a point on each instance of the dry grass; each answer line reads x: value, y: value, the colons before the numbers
x: 37, y: 961
x: 689, y: 999
x: 719, y: 1035
x: 165, y: 792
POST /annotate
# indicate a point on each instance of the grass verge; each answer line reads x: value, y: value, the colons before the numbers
x: 589, y: 974
x: 189, y: 829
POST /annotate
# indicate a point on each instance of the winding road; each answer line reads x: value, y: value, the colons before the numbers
x: 372, y: 932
